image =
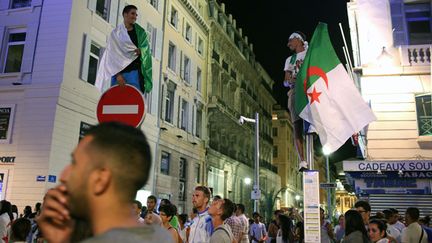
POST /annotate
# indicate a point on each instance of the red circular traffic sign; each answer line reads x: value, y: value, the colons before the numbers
x: 123, y: 104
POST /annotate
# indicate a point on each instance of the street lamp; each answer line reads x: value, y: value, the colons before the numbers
x: 247, y: 180
x: 327, y: 153
x: 297, y: 199
x: 256, y: 193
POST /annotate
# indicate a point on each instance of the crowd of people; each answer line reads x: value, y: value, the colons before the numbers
x: 15, y: 227
x: 95, y: 202
x: 224, y: 221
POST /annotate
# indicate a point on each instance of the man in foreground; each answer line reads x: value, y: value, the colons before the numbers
x: 108, y: 166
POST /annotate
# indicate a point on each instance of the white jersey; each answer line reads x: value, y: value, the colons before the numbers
x: 201, y: 228
x: 294, y: 65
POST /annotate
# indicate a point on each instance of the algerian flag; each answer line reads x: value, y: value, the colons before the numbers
x: 120, y: 52
x: 326, y: 96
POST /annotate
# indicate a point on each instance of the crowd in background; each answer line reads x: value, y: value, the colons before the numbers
x: 220, y: 220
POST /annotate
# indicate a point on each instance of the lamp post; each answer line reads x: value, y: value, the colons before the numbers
x: 327, y: 154
x: 256, y: 193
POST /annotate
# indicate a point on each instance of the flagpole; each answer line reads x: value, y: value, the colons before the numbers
x: 349, y: 67
x: 345, y: 44
x: 309, y: 150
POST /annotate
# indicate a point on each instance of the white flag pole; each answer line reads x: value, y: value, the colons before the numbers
x: 345, y: 44
x: 350, y: 68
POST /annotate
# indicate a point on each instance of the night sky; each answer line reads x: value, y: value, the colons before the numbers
x: 268, y: 24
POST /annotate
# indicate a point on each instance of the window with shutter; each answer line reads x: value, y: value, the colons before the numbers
x: 165, y: 163
x: 184, y: 115
x: 169, y: 102
x: 199, y: 74
x: 198, y: 127
x: 418, y: 20
x: 93, y: 62
x: 188, y: 33
x: 200, y: 46
x: 103, y: 8
x: 155, y: 4
x: 172, y: 52
x: 187, y: 69
x: 174, y: 17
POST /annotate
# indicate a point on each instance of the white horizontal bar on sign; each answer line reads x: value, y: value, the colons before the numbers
x: 120, y: 109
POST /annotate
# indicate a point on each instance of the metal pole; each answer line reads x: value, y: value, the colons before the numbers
x: 345, y: 44
x: 256, y: 186
x: 309, y: 151
x: 328, y: 189
x: 159, y: 111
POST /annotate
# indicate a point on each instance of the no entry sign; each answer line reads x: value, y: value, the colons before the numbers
x: 123, y: 104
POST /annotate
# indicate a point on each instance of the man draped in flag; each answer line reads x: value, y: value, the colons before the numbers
x: 127, y: 58
x: 297, y: 43
x: 326, y: 97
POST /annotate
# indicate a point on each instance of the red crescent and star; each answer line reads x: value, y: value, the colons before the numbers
x: 312, y: 71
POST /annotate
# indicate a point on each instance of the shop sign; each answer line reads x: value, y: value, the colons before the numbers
x: 404, y: 165
x: 6, y: 121
x: 7, y: 159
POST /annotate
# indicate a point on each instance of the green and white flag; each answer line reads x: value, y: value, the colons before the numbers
x: 326, y: 97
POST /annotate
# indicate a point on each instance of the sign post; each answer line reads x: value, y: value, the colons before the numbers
x: 123, y: 104
x: 311, y: 206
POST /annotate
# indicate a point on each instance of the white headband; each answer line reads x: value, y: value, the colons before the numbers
x: 296, y: 35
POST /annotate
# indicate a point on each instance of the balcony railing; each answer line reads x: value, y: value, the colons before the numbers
x: 267, y: 165
x: 425, y: 125
x: 415, y: 55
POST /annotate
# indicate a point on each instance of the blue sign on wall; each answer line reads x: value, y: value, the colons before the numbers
x: 52, y: 178
x: 40, y: 178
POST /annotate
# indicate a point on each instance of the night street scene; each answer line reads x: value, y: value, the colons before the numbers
x: 213, y: 121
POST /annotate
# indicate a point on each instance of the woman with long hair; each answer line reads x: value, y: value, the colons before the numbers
x: 377, y: 231
x: 285, y: 233
x: 355, y: 231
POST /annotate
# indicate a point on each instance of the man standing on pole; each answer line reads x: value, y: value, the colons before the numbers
x: 297, y: 43
x: 127, y: 58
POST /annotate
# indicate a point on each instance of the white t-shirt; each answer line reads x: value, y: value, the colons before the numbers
x: 258, y: 231
x: 394, y: 232
x: 399, y: 225
x: 295, y: 67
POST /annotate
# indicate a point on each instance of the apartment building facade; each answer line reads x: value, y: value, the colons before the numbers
x: 238, y: 86
x: 391, y: 42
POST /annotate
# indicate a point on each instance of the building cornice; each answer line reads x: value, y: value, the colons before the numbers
x: 196, y: 15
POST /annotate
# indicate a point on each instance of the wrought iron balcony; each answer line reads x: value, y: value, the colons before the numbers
x: 425, y: 125
x: 267, y: 165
